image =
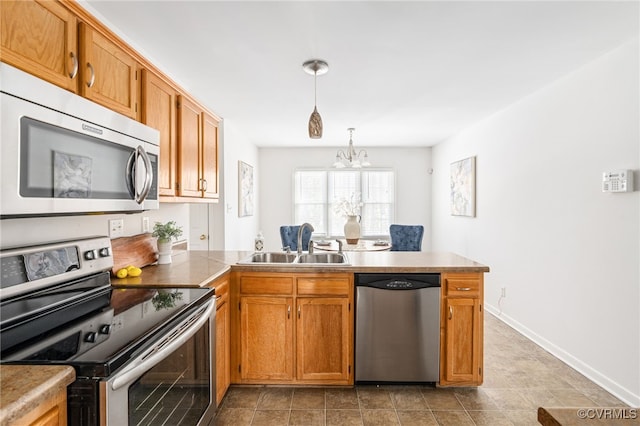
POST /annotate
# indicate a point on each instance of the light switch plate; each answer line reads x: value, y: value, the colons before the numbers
x: 145, y: 225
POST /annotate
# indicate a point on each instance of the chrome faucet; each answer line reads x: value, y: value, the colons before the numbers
x: 307, y: 225
x: 339, y: 246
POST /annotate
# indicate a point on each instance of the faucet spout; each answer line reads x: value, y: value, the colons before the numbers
x: 304, y: 225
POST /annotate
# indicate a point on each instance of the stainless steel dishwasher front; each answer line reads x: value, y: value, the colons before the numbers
x: 397, y: 328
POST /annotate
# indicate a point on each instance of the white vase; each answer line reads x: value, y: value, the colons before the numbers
x: 352, y: 229
x: 164, y: 252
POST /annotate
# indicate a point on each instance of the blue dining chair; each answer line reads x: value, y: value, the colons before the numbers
x: 406, y: 237
x: 289, y: 237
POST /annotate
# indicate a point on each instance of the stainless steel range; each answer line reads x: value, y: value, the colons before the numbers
x: 142, y: 356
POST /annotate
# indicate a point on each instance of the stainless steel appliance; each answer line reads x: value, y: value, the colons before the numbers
x: 141, y: 355
x: 397, y: 328
x: 62, y: 154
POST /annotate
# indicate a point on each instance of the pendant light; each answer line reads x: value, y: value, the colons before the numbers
x: 316, y: 67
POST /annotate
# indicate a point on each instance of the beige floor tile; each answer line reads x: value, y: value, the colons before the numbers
x: 342, y: 399
x: 453, y: 418
x: 441, y: 399
x: 270, y: 418
x: 344, y: 418
x: 380, y: 418
x: 475, y: 399
x: 308, y: 398
x: 371, y: 398
x: 417, y: 418
x: 234, y: 417
x: 408, y: 398
x: 275, y: 399
x: 489, y: 418
x: 307, y: 417
x: 522, y: 417
x: 241, y: 397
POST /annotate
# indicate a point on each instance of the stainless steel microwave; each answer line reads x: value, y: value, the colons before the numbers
x: 65, y: 155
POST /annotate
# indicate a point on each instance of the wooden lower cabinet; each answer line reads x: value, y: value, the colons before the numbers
x: 223, y: 337
x: 294, y: 328
x: 51, y: 412
x: 462, y: 322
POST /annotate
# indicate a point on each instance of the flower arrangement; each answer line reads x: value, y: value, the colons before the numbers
x: 349, y: 207
x: 164, y: 232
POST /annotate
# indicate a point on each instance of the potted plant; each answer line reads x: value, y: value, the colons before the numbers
x: 165, y: 232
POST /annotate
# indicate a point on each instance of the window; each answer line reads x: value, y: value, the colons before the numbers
x: 316, y: 193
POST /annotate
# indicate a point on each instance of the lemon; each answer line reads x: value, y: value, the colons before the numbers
x: 130, y: 267
x: 122, y: 273
x: 135, y: 272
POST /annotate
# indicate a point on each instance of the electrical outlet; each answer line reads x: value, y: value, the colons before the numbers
x: 116, y: 228
x: 503, y: 292
x: 145, y: 224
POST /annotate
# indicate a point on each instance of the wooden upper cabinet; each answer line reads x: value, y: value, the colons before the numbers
x: 210, y: 156
x: 197, y: 151
x: 108, y: 74
x: 159, y: 111
x: 189, y: 136
x: 40, y: 37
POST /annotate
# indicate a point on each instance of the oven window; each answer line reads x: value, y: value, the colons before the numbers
x: 177, y: 391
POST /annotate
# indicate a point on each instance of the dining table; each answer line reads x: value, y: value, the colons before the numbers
x: 361, y: 245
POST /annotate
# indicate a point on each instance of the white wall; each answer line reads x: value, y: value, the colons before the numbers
x: 567, y: 253
x: 413, y: 184
x: 239, y: 232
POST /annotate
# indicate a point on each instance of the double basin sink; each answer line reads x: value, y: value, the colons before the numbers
x: 282, y: 258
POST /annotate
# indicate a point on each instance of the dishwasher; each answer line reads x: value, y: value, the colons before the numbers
x: 397, y: 328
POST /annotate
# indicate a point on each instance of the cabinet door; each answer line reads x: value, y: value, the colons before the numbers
x: 189, y: 135
x: 40, y: 37
x: 266, y: 338
x: 159, y: 111
x: 108, y: 74
x: 223, y: 347
x: 463, y: 341
x: 323, y: 339
x: 210, y: 156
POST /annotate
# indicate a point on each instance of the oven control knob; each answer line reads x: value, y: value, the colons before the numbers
x: 104, y: 252
x: 104, y: 329
x: 90, y: 255
x: 90, y: 337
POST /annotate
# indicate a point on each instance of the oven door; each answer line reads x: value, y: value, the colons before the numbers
x: 170, y: 382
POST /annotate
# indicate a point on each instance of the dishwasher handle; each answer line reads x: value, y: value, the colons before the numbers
x: 398, y: 281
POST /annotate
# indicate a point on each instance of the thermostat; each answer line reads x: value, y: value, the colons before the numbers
x: 617, y: 181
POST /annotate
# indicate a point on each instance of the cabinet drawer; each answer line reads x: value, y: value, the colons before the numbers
x: 323, y: 286
x: 462, y: 285
x: 266, y: 285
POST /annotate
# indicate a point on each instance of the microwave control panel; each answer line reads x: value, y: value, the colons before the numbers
x: 617, y: 181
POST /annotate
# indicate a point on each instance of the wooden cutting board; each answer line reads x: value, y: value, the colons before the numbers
x: 138, y: 250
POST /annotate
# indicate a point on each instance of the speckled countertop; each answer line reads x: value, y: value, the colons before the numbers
x: 199, y: 268
x: 23, y: 388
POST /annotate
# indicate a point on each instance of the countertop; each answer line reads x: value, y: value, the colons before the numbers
x: 24, y: 387
x: 199, y: 268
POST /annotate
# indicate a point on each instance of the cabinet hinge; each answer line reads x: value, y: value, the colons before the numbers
x: 239, y: 368
x: 349, y: 307
x: 480, y: 308
x: 239, y: 305
x: 480, y: 371
x: 349, y: 369
x: 177, y: 103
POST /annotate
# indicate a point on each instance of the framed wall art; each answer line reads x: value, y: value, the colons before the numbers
x: 245, y: 189
x: 463, y: 187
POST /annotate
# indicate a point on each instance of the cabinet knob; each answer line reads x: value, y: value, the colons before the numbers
x: 450, y: 312
x: 203, y: 237
x: 463, y: 288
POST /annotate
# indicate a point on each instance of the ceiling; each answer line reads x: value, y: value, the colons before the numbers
x: 402, y: 73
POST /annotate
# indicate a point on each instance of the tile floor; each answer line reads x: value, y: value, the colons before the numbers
x: 519, y: 377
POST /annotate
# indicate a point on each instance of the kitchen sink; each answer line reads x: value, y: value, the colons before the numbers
x: 282, y: 258
x: 270, y: 257
x: 322, y: 258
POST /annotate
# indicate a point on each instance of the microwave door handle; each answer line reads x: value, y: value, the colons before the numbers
x: 148, y: 178
x: 129, y: 174
x: 138, y: 367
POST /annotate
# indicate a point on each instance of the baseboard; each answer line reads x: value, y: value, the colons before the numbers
x: 620, y: 392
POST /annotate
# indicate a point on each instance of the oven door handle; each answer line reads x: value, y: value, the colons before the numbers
x: 164, y: 347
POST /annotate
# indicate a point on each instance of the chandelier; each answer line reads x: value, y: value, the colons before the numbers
x: 351, y: 157
x: 316, y: 67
